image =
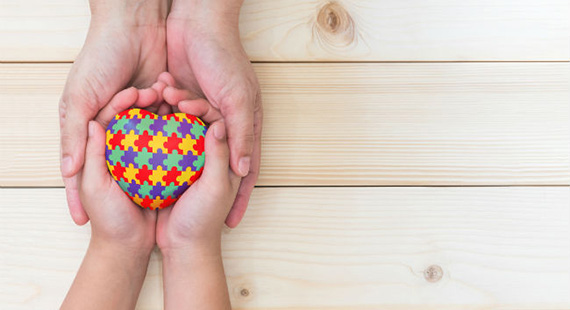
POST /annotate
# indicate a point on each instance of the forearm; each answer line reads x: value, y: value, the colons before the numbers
x: 195, y: 279
x: 110, y: 277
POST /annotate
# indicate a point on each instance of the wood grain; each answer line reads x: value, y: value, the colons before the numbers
x: 322, y: 30
x: 341, y: 248
x: 352, y: 124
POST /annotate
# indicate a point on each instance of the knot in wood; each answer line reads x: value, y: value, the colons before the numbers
x: 433, y: 273
x: 334, y: 25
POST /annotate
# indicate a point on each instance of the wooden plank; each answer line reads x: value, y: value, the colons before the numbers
x: 303, y: 248
x: 318, y: 30
x: 352, y: 124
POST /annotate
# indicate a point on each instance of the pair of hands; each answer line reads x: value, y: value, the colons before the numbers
x: 196, y: 219
x: 123, y: 234
x: 128, y: 44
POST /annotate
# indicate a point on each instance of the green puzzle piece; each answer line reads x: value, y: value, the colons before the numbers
x: 198, y: 131
x: 120, y: 125
x: 199, y: 162
x: 169, y: 190
x: 124, y: 186
x: 143, y: 158
x: 116, y: 155
x: 171, y: 127
x: 145, y: 190
x: 173, y: 160
x: 144, y: 125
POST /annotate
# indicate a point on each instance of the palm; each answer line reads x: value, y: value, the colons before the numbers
x: 208, y: 64
x: 113, y: 59
x: 122, y: 218
x: 190, y: 215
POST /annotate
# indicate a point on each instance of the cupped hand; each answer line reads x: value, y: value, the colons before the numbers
x: 119, y: 52
x: 115, y: 219
x: 197, y: 218
x: 208, y: 60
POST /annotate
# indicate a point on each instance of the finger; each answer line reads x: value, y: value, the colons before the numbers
x: 159, y: 87
x: 95, y: 169
x: 238, y: 115
x: 201, y: 108
x: 73, y: 123
x: 120, y: 102
x: 76, y: 210
x: 164, y: 109
x: 147, y: 97
x: 167, y: 78
x: 173, y: 95
x: 248, y: 183
x: 216, y: 167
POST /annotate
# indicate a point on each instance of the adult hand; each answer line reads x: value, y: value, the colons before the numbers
x: 206, y: 57
x: 125, y: 45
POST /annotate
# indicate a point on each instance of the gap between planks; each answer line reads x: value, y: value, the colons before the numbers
x: 360, y: 248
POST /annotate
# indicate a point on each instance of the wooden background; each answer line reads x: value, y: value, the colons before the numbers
x: 399, y: 136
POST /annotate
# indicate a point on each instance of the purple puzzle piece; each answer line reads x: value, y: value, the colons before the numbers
x: 179, y: 191
x: 111, y: 124
x: 134, y: 188
x: 158, y: 159
x: 158, y: 125
x: 185, y: 129
x: 129, y: 157
x: 157, y: 189
x: 108, y: 153
x: 187, y: 161
x: 132, y: 125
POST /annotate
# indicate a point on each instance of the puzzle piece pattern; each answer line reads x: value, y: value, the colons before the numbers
x: 154, y: 159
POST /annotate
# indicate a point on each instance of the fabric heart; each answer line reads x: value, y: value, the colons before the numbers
x: 155, y: 158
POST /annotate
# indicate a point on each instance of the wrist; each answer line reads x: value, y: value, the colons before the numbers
x: 134, y: 252
x: 195, y: 250
x: 132, y: 13
x: 212, y: 14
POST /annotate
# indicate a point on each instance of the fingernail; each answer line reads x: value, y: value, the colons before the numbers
x: 220, y: 132
x: 66, y: 163
x: 243, y: 166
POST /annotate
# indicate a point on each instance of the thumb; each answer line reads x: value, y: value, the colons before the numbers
x: 73, y: 119
x: 95, y: 165
x: 216, y: 167
x: 239, y: 119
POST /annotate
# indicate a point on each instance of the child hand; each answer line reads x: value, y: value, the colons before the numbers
x: 189, y: 233
x: 199, y: 214
x: 197, y: 218
x: 122, y: 234
x: 115, y: 219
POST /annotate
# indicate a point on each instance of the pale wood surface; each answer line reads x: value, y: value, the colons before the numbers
x: 319, y: 248
x: 352, y: 124
x: 346, y: 124
x: 354, y: 30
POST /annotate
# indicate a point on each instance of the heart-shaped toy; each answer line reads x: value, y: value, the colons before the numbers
x: 155, y: 158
